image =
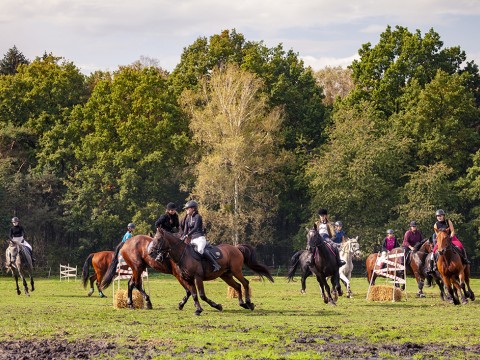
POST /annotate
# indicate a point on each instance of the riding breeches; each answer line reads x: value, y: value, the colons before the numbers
x: 21, y: 241
x: 200, y: 243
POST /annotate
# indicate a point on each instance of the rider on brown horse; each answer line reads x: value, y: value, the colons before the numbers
x: 193, y: 229
x: 168, y: 221
x: 443, y: 224
x: 325, y: 231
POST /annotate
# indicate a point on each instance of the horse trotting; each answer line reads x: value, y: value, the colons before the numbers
x: 325, y: 265
x: 19, y: 262
x: 454, y: 273
x: 100, y: 262
x: 348, y: 250
x: 194, y: 272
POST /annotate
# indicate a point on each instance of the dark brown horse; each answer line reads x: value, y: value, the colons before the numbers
x: 100, y: 262
x: 454, y: 273
x: 325, y: 265
x: 195, y: 272
x: 136, y: 254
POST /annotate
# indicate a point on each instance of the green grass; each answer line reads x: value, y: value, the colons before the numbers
x: 284, y: 325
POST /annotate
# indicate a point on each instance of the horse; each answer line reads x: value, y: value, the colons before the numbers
x: 454, y: 273
x: 194, y: 272
x: 19, y: 262
x: 100, y: 262
x: 348, y: 250
x: 325, y: 265
x: 136, y: 255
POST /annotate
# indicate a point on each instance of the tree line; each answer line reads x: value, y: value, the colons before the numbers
x: 257, y: 138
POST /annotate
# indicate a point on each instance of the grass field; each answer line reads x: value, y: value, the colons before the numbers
x: 59, y: 321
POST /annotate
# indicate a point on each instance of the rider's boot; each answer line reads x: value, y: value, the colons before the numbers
x: 464, y: 257
x: 340, y: 262
x: 211, y: 258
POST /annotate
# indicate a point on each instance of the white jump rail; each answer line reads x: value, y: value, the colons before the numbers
x: 390, y: 271
x: 67, y: 272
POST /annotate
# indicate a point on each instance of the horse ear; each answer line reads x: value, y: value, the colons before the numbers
x: 315, y: 226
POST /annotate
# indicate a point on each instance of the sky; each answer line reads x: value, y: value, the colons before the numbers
x: 106, y: 34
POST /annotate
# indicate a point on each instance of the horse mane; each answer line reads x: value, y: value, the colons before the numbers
x: 419, y: 244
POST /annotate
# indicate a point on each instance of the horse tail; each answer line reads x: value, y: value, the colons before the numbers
x: 295, y: 262
x: 87, y: 263
x: 250, y: 260
x: 112, y: 269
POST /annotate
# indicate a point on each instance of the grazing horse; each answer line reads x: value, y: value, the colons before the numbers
x: 325, y: 265
x: 19, y: 262
x: 135, y: 253
x: 100, y: 262
x: 348, y: 251
x: 454, y: 273
x: 194, y: 272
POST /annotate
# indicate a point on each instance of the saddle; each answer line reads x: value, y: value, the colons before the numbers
x: 214, y: 250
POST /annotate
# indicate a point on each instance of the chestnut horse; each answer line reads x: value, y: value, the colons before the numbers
x: 135, y: 253
x: 325, y: 265
x: 100, y: 262
x: 194, y: 272
x: 454, y: 273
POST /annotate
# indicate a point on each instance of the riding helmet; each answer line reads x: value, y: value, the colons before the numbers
x: 15, y: 219
x: 413, y: 223
x: 339, y: 223
x: 389, y: 231
x: 171, y: 206
x: 131, y: 226
x: 440, y: 212
x: 191, y: 204
x: 322, y: 211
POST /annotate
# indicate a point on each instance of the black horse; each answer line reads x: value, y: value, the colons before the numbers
x: 325, y: 265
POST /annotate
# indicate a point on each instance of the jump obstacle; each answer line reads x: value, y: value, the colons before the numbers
x: 388, y: 268
x: 125, y: 272
x: 66, y: 272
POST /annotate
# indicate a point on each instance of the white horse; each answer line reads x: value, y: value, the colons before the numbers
x: 19, y: 262
x: 348, y: 250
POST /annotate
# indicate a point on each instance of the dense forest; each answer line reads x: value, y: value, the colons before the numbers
x: 257, y: 138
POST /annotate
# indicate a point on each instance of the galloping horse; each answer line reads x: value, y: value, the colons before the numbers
x: 19, y: 262
x: 325, y: 265
x: 348, y: 251
x: 454, y: 273
x: 135, y: 253
x: 194, y: 272
x: 100, y: 262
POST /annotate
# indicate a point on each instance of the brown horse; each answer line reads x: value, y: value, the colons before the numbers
x: 454, y: 273
x: 100, y: 262
x: 135, y: 253
x: 195, y: 272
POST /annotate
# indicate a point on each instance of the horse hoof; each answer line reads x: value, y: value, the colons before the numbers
x: 422, y: 295
x: 252, y: 306
x: 245, y: 306
x: 148, y: 305
x: 19, y: 292
x: 180, y: 306
x: 198, y: 312
x: 219, y: 307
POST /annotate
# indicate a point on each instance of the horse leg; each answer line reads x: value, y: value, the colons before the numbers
x: 201, y: 293
x: 246, y: 286
x: 182, y: 303
x: 193, y: 291
x: 228, y: 278
x: 32, y: 284
x: 25, y: 286
x: 420, y: 285
x: 449, y: 286
x: 470, y: 295
x: 138, y: 283
x: 92, y: 278
x: 16, y: 281
x: 346, y: 281
x: 303, y: 280
x: 129, y: 294
x: 322, y: 290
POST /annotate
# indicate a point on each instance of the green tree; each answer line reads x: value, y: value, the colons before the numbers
x: 11, y: 60
x: 237, y: 174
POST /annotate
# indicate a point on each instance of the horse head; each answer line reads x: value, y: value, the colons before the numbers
x: 443, y: 241
x: 313, y: 237
x: 355, y: 247
x: 162, y: 245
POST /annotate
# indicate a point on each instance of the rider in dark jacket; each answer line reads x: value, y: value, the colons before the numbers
x: 169, y: 222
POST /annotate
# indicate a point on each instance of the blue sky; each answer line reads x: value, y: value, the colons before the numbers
x: 103, y: 34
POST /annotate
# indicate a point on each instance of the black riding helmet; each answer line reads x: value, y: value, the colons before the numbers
x: 171, y: 206
x: 322, y: 211
x: 191, y: 204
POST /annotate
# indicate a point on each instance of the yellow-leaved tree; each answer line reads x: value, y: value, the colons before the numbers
x: 237, y: 181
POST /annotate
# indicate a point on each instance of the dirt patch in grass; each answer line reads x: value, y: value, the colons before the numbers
x: 329, y: 346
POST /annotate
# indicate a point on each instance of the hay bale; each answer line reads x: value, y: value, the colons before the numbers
x: 121, y: 297
x: 232, y: 293
x: 384, y: 293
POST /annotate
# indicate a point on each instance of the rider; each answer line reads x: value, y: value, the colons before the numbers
x: 17, y: 234
x: 193, y: 228
x: 411, y: 238
x: 168, y: 221
x: 128, y: 234
x: 339, y: 237
x: 325, y: 230
x: 443, y: 224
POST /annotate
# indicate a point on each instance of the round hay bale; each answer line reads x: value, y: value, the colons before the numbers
x: 384, y: 293
x: 121, y: 297
x: 232, y: 293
